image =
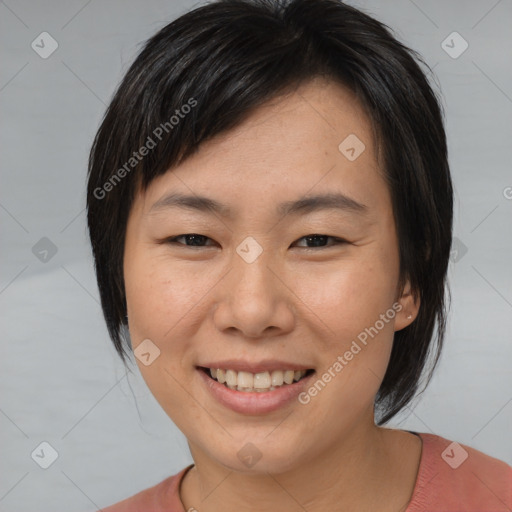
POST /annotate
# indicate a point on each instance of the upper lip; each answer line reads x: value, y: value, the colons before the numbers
x: 254, y: 367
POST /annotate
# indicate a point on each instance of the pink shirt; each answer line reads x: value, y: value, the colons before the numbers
x: 451, y: 478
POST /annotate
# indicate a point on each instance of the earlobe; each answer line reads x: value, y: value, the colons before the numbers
x: 410, y: 303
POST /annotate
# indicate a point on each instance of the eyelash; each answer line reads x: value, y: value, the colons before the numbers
x: 339, y: 241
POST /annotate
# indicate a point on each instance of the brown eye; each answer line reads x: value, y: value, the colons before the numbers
x: 195, y: 240
x: 321, y: 240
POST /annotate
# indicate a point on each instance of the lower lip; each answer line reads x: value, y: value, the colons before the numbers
x: 254, y: 402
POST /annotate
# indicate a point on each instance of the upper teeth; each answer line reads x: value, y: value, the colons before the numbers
x: 256, y: 381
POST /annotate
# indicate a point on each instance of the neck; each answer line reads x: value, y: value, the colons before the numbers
x: 370, y: 463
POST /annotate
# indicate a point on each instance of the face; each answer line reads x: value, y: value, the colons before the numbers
x: 272, y: 279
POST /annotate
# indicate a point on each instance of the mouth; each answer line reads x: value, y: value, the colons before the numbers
x: 261, y: 382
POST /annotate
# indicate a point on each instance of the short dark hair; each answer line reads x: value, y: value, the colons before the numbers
x: 208, y: 70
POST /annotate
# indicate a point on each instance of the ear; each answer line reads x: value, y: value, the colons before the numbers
x: 410, y: 307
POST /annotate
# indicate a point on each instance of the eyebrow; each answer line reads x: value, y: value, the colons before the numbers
x: 302, y: 206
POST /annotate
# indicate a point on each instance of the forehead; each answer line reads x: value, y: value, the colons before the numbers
x: 312, y: 141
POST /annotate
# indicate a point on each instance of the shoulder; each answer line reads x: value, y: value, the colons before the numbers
x: 454, y: 476
x: 163, y: 496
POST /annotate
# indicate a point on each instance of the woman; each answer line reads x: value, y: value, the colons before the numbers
x: 270, y: 211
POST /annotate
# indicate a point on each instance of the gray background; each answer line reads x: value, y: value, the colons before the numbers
x: 62, y: 381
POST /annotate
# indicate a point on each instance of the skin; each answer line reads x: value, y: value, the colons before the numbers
x: 298, y: 302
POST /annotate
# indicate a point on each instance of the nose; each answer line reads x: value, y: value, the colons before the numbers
x: 254, y: 300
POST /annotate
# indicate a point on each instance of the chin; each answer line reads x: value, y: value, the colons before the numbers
x: 257, y: 458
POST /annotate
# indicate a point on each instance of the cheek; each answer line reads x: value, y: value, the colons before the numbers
x: 158, y: 294
x: 166, y: 305
x: 355, y: 301
x: 351, y: 294
x: 160, y: 301
x: 355, y: 350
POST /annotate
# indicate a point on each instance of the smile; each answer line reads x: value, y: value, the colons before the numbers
x: 244, y: 396
x: 255, y: 382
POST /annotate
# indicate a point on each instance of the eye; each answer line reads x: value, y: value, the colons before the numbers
x: 197, y: 240
x: 318, y: 240
x: 194, y: 238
